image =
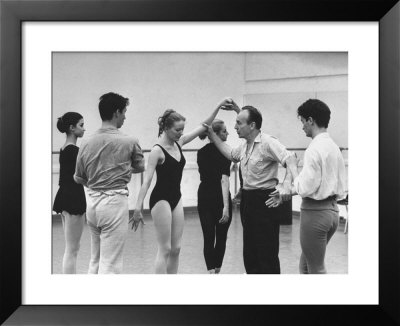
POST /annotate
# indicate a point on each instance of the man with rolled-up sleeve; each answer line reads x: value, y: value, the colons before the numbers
x: 105, y: 164
x: 259, y: 159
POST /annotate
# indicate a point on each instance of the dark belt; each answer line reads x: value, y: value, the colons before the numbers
x: 264, y: 192
x: 326, y: 199
x: 259, y: 190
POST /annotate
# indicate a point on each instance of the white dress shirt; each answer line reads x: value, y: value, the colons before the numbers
x: 323, y: 173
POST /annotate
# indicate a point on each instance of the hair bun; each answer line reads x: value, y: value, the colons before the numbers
x: 161, y: 120
x: 68, y: 119
x: 60, y: 125
x: 167, y: 119
x: 167, y: 113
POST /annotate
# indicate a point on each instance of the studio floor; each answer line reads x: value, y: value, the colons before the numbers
x: 141, y: 247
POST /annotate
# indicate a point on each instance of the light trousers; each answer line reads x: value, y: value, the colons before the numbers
x: 108, y: 218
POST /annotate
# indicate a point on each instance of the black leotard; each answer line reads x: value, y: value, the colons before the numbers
x: 169, y: 176
x: 70, y: 196
x: 212, y: 166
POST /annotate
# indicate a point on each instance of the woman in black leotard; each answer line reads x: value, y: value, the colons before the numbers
x: 167, y: 160
x: 214, y: 200
x: 169, y: 176
x: 70, y: 200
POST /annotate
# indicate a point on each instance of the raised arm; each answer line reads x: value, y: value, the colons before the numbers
x: 222, y: 146
x: 154, y: 157
x: 226, y: 104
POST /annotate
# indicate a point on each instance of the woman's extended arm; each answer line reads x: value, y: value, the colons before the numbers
x: 226, y: 104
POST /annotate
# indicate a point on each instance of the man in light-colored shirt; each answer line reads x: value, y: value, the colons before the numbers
x: 323, y: 173
x: 104, y: 165
x: 259, y: 159
x: 320, y: 183
x: 108, y: 159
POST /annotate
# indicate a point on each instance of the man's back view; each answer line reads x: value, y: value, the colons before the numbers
x: 104, y: 165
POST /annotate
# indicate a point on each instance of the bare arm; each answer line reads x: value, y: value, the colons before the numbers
x: 291, y: 165
x: 154, y: 157
x: 286, y: 192
x: 222, y: 146
x: 226, y: 104
x: 288, y: 177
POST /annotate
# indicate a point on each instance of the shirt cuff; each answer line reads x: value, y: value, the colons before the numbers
x: 285, y: 157
x: 234, y: 157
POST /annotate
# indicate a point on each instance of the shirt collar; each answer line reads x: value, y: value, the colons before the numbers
x: 258, y: 138
x: 321, y: 136
x: 109, y: 128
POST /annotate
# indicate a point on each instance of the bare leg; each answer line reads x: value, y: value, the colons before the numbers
x: 162, y: 218
x: 73, y: 227
x: 178, y: 223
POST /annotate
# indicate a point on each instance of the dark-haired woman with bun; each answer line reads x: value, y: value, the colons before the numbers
x: 70, y: 200
x: 167, y: 160
x: 214, y: 202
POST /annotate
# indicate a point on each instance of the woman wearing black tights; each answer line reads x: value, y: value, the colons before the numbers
x: 214, y: 199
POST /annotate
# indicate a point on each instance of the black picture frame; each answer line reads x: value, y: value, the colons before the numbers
x: 13, y: 13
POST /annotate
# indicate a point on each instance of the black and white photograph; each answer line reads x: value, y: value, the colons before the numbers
x: 170, y: 162
x: 200, y: 162
x: 145, y: 150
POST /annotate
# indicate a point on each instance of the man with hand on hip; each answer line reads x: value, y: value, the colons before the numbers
x: 259, y: 157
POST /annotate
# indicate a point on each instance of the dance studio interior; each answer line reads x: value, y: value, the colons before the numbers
x: 193, y: 83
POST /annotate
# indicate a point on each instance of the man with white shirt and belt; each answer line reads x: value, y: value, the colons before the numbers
x: 259, y: 159
x: 320, y: 183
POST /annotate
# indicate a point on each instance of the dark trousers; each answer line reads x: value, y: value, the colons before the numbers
x: 260, y: 233
x: 214, y: 233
